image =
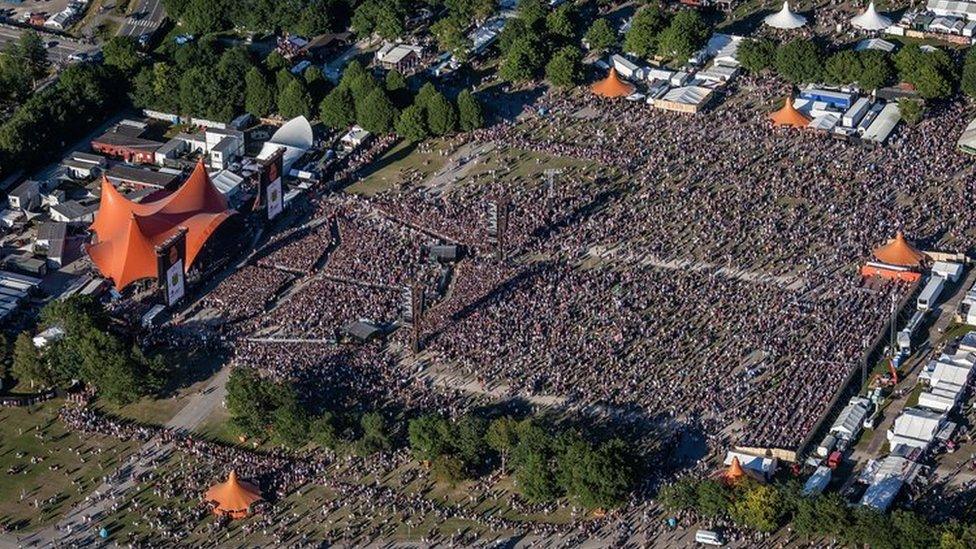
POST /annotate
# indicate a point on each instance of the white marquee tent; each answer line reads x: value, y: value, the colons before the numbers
x: 871, y: 20
x: 785, y: 18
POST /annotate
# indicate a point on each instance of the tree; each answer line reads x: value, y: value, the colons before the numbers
x: 377, y: 113
x: 258, y: 95
x: 713, y: 499
x: 428, y: 436
x: 533, y: 13
x: 561, y: 24
x: 912, y: 110
x: 680, y: 495
x: 534, y: 467
x: 441, y: 117
x: 757, y: 54
x: 291, y: 424
x: 967, y: 83
x: 514, y: 30
x: 565, y: 69
x: 912, y: 530
x: 450, y: 35
x: 759, y: 508
x: 799, y: 61
x: 876, y: 69
x: 469, y: 111
x: 523, y: 61
x: 395, y: 81
x: 28, y: 366
x: 502, y: 436
x: 30, y: 48
x: 412, y: 124
x: 448, y: 469
x: 294, y: 101
x: 931, y: 72
x: 203, y: 17
x: 274, y: 62
x: 202, y: 95
x: 647, y: 24
x: 684, y: 36
x: 843, y: 67
x: 469, y: 440
x: 122, y: 53
x: 598, y: 478
x: 337, y: 109
x: 324, y: 432
x: 252, y: 401
x: 601, y: 36
x: 383, y: 17
x: 375, y: 436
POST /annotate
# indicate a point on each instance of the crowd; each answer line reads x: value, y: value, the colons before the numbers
x: 700, y: 269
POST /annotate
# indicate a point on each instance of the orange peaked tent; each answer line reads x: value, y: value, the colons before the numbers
x: 734, y: 471
x: 789, y: 116
x: 128, y: 232
x: 612, y: 86
x: 233, y: 497
x: 899, y: 252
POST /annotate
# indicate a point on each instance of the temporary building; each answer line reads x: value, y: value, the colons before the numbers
x: 789, y: 116
x: 295, y: 136
x: 785, y: 19
x: 128, y: 232
x: 899, y: 252
x: 233, y: 497
x: 916, y: 428
x: 871, y: 20
x: 612, y: 86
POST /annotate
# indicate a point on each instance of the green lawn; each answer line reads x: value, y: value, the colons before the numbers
x: 392, y: 167
x: 66, y: 468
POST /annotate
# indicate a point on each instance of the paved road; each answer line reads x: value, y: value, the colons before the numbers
x: 58, y: 54
x: 147, y: 16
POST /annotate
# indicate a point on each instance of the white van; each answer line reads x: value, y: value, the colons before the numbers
x: 709, y: 537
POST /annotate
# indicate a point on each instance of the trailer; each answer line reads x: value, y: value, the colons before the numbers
x: 930, y: 294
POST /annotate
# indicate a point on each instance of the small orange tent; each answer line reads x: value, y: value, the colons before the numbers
x: 612, y: 86
x: 234, y: 497
x: 734, y: 472
x: 899, y: 252
x: 789, y: 116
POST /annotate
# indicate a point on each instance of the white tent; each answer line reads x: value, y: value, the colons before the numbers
x: 871, y: 20
x: 295, y: 136
x: 785, y: 18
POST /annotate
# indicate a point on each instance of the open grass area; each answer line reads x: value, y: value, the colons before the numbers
x: 402, y: 159
x: 47, y: 469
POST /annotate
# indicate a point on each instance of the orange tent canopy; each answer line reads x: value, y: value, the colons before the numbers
x: 233, y: 497
x: 128, y: 232
x: 899, y: 252
x: 735, y: 471
x: 789, y: 116
x: 612, y: 86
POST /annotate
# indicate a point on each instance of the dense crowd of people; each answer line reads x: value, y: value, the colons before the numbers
x: 695, y: 268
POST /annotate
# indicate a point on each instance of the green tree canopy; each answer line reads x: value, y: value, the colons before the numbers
x: 565, y: 69
x: 601, y: 36
x: 876, y: 69
x: 523, y: 61
x: 429, y: 436
x: 122, y: 53
x: 642, y: 37
x: 843, y: 68
x: 685, y: 35
x: 799, y: 61
x: 376, y: 113
x: 295, y: 101
x: 441, y: 117
x: 412, y: 124
x: 338, y: 109
x: 258, y: 95
x: 757, y: 54
x: 470, y: 114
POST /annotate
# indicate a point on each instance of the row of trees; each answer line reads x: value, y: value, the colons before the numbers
x: 932, y: 73
x: 376, y: 106
x: 49, y: 119
x: 541, y: 39
x: 305, y: 17
x: 262, y: 407
x: 655, y: 31
x: 22, y: 64
x: 768, y: 507
x: 89, y: 352
x: 547, y: 463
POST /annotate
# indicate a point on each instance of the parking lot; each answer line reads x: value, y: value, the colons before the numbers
x: 20, y: 12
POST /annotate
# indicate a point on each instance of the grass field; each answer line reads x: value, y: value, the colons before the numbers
x: 66, y: 467
x: 396, y: 163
